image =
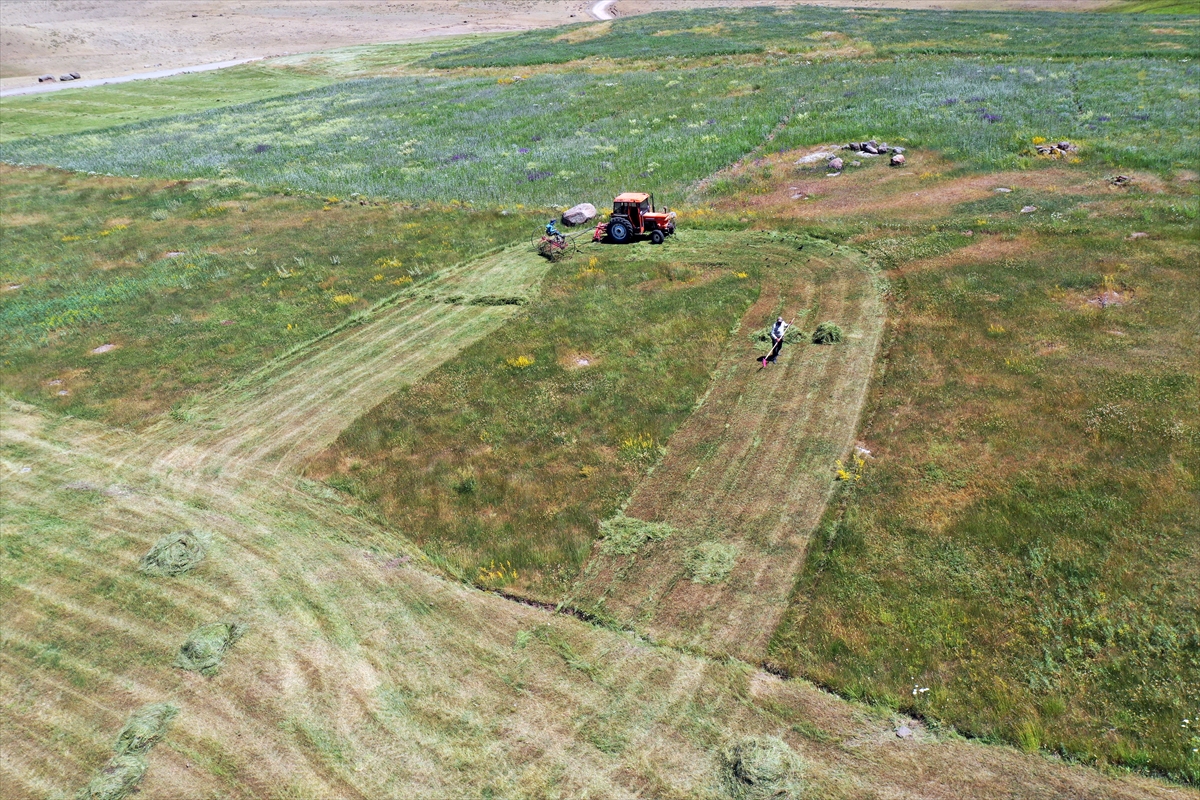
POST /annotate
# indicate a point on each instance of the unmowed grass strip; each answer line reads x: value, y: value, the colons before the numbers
x: 840, y: 33
x: 560, y: 138
x: 1022, y: 544
x: 548, y: 139
x: 503, y: 462
x: 195, y: 283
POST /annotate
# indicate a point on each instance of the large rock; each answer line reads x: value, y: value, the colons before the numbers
x: 577, y: 215
x: 835, y: 164
x: 855, y: 146
x: 46, y: 78
x: 74, y: 76
x: 870, y: 147
x: 897, y: 160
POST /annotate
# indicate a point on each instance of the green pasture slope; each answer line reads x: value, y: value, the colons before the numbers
x: 1027, y: 549
x: 67, y: 111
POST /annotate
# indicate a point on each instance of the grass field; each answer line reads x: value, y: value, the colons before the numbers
x: 194, y: 283
x: 839, y: 34
x: 503, y: 461
x: 71, y: 111
x: 334, y: 354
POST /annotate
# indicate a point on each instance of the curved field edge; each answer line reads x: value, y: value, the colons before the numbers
x: 748, y: 475
x: 360, y: 674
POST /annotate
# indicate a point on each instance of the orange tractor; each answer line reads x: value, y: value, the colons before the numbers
x: 634, y: 217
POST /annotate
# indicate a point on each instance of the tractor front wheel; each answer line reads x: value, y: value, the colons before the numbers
x: 656, y: 237
x: 619, y: 231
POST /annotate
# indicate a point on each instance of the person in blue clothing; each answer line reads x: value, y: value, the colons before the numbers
x: 777, y: 331
x: 551, y: 230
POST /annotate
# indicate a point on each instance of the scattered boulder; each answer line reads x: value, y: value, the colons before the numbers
x: 1028, y: 209
x: 1056, y: 150
x: 1002, y: 189
x: 75, y: 76
x: 872, y: 148
x: 855, y: 146
x: 46, y: 79
x: 904, y: 732
x: 835, y: 164
x: 578, y: 215
x: 897, y: 160
x: 1138, y: 235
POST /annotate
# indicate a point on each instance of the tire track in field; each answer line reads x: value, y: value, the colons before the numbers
x: 752, y: 469
x: 274, y: 419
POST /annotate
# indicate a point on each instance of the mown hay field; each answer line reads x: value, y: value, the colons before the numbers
x: 1020, y: 541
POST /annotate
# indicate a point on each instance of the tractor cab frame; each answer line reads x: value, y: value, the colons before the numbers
x: 634, y: 216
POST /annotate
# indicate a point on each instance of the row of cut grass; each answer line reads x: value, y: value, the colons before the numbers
x: 504, y: 461
x: 1023, y: 543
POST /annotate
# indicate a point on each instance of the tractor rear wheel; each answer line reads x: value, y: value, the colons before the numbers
x: 619, y: 231
x: 656, y: 237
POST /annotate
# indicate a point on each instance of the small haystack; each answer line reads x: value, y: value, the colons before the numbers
x: 175, y: 553
x: 205, y: 648
x: 624, y: 536
x: 761, y: 767
x: 144, y: 729
x: 711, y: 562
x: 115, y: 780
x: 827, y: 333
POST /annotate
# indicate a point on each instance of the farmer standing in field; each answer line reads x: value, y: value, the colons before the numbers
x: 777, y: 331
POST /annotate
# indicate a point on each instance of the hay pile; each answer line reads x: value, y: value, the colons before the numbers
x: 761, y: 767
x: 762, y: 338
x: 124, y: 771
x: 144, y: 729
x: 205, y: 648
x: 175, y: 553
x: 827, y: 333
x: 115, y: 780
x: 624, y: 535
x: 711, y: 562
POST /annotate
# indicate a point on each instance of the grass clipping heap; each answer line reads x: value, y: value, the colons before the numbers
x: 827, y: 333
x: 175, y: 554
x: 624, y: 535
x: 205, y: 648
x: 145, y: 728
x: 760, y: 767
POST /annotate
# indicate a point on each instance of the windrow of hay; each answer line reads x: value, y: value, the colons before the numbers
x: 115, y: 780
x: 175, y: 553
x: 711, y: 562
x: 625, y: 535
x: 761, y: 767
x: 827, y: 333
x: 145, y: 728
x: 206, y: 647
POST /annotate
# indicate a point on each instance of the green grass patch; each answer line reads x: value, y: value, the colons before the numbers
x: 625, y: 535
x: 194, y: 284
x: 815, y: 33
x: 553, y: 417
x: 1024, y: 540
x: 71, y: 111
